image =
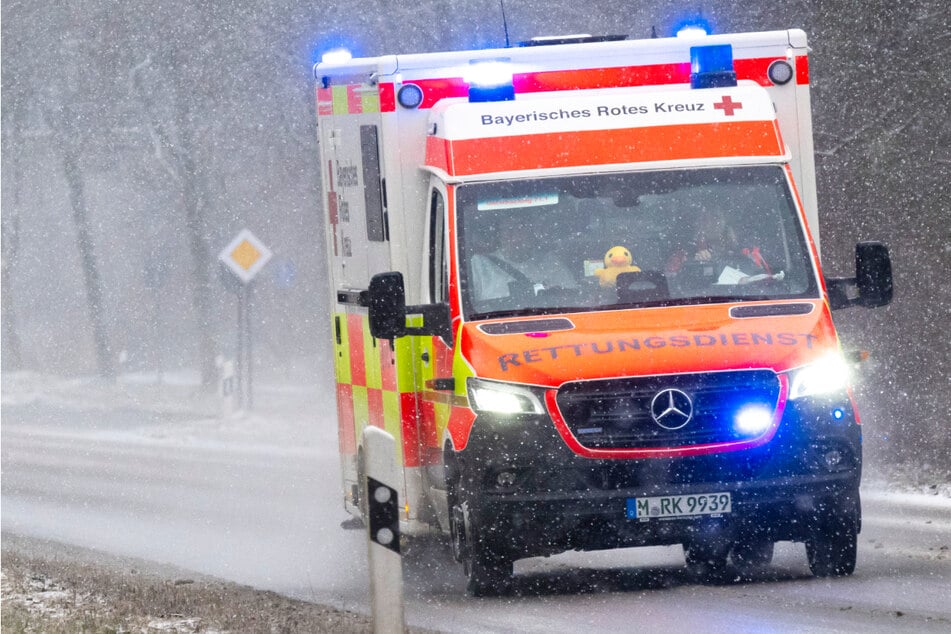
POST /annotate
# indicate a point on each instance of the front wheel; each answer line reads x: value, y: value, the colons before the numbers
x: 832, y: 550
x: 488, y: 571
x: 489, y: 574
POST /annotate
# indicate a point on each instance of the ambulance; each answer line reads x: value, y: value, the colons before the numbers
x: 578, y: 280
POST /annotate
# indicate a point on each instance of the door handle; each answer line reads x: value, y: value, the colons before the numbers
x: 447, y: 384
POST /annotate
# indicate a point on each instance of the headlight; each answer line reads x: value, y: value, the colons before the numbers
x: 502, y: 398
x: 829, y: 374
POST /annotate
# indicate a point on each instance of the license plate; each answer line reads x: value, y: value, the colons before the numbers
x: 679, y: 506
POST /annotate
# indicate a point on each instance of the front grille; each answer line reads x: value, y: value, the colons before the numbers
x: 616, y: 413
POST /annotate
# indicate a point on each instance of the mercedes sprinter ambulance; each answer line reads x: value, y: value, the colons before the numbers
x: 578, y: 281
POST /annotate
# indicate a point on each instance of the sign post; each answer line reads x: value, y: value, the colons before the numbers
x: 383, y: 531
x: 245, y: 256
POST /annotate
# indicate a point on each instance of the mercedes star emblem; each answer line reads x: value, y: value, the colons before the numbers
x: 671, y: 409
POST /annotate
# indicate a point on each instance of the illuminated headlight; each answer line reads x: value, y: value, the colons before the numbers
x: 826, y: 376
x: 502, y: 398
x: 753, y: 420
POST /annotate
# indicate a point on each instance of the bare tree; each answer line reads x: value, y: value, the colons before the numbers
x: 175, y: 137
x: 12, y: 357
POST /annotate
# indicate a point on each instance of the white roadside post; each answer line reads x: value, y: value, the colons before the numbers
x: 227, y: 393
x: 383, y: 531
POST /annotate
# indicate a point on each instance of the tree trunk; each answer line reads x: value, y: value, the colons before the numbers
x: 192, y: 185
x: 12, y: 358
x: 91, y: 277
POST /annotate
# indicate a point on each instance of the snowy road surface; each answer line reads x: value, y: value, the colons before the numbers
x: 256, y: 500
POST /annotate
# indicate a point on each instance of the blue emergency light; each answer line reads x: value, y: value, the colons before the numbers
x: 490, y: 80
x: 711, y: 66
x: 693, y: 26
x: 336, y: 56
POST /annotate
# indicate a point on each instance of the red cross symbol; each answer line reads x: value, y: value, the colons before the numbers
x: 728, y: 105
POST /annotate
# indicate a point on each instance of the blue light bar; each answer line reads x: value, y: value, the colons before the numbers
x: 336, y: 56
x: 479, y: 94
x: 712, y: 66
x: 693, y: 26
x: 490, y: 80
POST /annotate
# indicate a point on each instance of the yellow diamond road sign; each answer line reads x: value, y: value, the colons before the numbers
x: 245, y: 255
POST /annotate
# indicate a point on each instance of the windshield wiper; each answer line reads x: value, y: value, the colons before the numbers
x: 527, y: 312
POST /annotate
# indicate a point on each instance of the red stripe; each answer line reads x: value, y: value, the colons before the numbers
x: 437, y: 153
x: 443, y: 88
x: 375, y: 407
x: 387, y: 97
x: 802, y: 70
x: 325, y: 101
x: 603, y: 147
x: 387, y: 366
x: 410, y: 424
x: 648, y: 75
x: 427, y: 423
x: 346, y: 433
x: 753, y: 69
x: 358, y: 364
x: 443, y: 361
x: 460, y: 424
x: 354, y: 102
x: 435, y: 89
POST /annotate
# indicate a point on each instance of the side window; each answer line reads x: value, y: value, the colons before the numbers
x: 373, y: 192
x: 438, y: 258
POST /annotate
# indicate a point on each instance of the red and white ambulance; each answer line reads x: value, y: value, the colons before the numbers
x: 546, y: 395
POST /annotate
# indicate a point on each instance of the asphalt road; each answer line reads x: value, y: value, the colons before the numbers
x: 264, y: 509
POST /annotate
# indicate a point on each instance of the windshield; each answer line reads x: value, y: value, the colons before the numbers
x: 597, y: 242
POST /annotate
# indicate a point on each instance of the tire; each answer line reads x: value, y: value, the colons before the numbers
x: 832, y: 550
x: 750, y: 555
x: 488, y: 571
x: 489, y: 574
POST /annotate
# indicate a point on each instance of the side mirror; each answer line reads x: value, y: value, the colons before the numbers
x: 873, y: 274
x: 386, y: 300
x: 872, y: 285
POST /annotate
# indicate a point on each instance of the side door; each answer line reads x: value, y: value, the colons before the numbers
x: 434, y: 354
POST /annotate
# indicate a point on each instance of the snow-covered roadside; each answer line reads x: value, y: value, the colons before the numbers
x: 179, y: 411
x: 59, y: 589
x: 286, y: 408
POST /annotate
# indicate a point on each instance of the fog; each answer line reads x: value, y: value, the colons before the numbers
x: 140, y: 138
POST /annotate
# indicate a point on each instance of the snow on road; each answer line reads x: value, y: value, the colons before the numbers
x: 152, y: 470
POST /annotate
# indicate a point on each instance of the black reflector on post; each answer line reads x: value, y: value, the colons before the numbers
x: 384, y: 520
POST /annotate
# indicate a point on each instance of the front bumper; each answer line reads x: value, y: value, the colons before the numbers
x: 539, y: 497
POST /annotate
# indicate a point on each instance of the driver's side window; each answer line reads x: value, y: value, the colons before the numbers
x: 438, y: 258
